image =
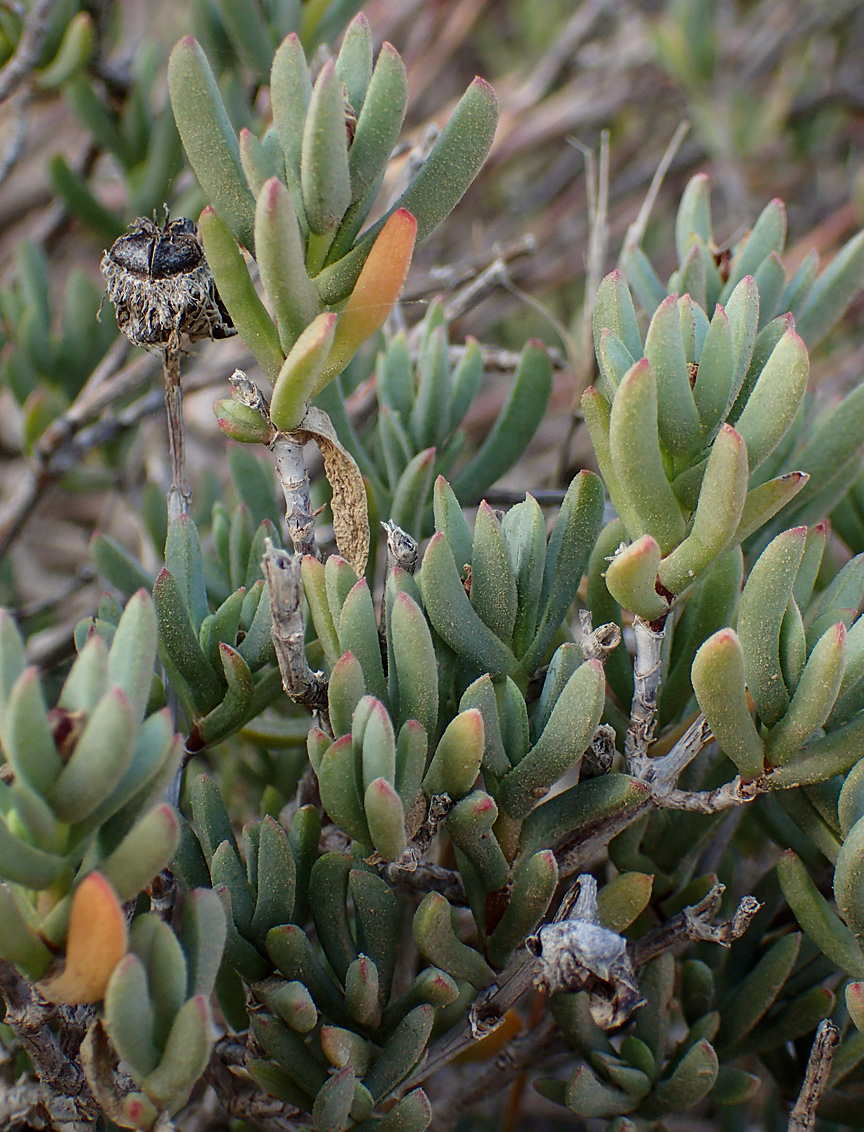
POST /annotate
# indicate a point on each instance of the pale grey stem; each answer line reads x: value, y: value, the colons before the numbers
x: 560, y: 53
x: 447, y: 277
x: 290, y: 469
x: 426, y: 877
x: 417, y: 158
x: 802, y: 1118
x: 725, y: 797
x: 494, y: 276
x: 14, y: 147
x: 646, y: 676
x: 695, y: 923
x: 402, y: 549
x: 504, y: 361
x: 180, y: 494
x: 292, y: 475
x: 581, y: 358
x: 667, y: 770
x: 597, y: 643
x: 485, y: 1015
x: 636, y: 231
x: 29, y: 1017
x: 27, y: 51
x: 597, y: 184
x: 584, y: 850
x: 301, y: 684
x: 411, y: 862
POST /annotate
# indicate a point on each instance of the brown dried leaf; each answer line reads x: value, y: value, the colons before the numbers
x: 350, y: 515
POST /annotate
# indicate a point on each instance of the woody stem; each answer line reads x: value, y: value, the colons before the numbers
x: 180, y: 493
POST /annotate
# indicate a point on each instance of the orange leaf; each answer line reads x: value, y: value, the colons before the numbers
x: 375, y: 293
x: 95, y: 944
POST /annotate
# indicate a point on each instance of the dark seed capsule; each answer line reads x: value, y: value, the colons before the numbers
x: 161, y: 286
x: 135, y: 251
x: 173, y: 255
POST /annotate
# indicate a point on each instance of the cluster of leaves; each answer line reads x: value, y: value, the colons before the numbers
x: 45, y: 370
x: 421, y: 404
x: 299, y: 197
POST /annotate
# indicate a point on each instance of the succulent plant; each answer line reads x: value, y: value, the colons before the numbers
x: 83, y: 801
x: 535, y: 752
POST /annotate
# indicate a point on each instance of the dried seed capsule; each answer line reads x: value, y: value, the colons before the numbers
x: 161, y: 286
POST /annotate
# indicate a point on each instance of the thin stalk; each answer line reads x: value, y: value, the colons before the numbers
x: 180, y: 494
x: 802, y: 1118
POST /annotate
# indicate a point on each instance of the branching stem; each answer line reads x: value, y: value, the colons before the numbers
x: 695, y: 923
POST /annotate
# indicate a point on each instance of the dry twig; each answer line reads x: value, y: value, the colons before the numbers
x: 29, y: 45
x: 695, y: 923
x: 301, y: 684
x: 802, y: 1118
x: 647, y: 671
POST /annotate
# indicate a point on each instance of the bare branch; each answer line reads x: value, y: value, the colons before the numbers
x: 447, y: 277
x: 598, y: 242
x: 473, y: 293
x: 301, y: 684
x: 29, y: 46
x: 597, y: 643
x: 695, y: 923
x: 411, y: 869
x: 240, y: 1096
x: 521, y: 1052
x: 802, y: 1118
x: 294, y: 479
x: 486, y: 1014
x: 427, y: 877
x: 418, y: 155
x: 179, y: 494
x: 29, y: 1017
x: 646, y: 676
x: 90, y: 421
x: 636, y: 231
x: 666, y: 771
x: 725, y: 797
x: 18, y: 106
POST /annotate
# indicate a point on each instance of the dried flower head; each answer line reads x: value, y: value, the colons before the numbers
x: 161, y: 285
x: 575, y: 952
